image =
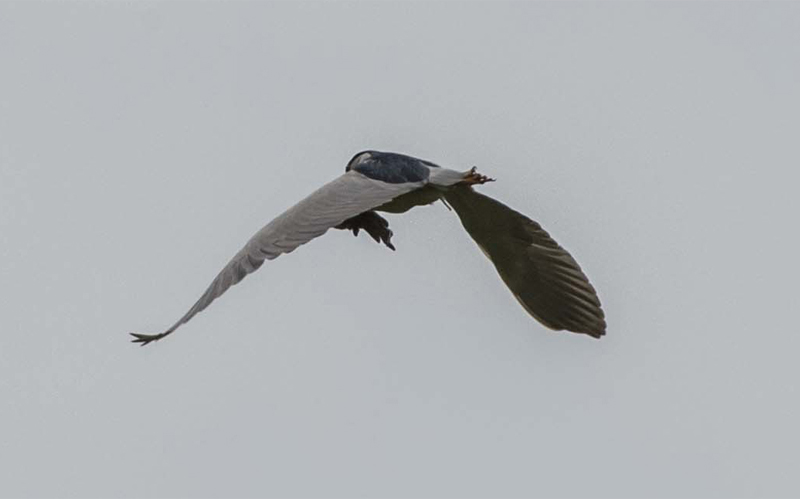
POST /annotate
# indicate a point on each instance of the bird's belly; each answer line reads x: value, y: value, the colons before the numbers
x: 421, y: 197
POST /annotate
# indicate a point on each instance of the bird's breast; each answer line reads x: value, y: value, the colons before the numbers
x: 420, y: 197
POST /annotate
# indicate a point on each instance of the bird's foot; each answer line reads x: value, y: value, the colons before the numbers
x: 474, y: 178
x: 375, y: 225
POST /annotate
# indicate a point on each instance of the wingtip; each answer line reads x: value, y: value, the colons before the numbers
x: 596, y: 333
x: 145, y: 339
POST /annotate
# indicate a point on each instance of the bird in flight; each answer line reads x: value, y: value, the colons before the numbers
x: 541, y: 275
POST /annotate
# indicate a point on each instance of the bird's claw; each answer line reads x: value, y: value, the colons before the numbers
x: 474, y: 178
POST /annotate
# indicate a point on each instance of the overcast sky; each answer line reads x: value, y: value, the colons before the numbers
x: 141, y: 144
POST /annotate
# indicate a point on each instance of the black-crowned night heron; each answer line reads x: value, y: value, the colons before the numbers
x: 541, y: 275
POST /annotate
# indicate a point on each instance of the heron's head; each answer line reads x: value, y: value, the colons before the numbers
x: 359, y: 158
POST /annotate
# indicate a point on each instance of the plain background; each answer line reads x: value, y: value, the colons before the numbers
x: 141, y: 144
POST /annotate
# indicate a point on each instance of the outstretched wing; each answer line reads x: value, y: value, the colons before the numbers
x: 543, y: 277
x: 332, y: 204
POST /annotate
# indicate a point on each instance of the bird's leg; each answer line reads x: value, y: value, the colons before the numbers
x: 474, y: 178
x: 374, y: 224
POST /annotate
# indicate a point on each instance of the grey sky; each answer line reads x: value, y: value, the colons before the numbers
x: 142, y: 144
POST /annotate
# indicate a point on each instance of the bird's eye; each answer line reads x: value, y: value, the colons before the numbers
x: 358, y: 159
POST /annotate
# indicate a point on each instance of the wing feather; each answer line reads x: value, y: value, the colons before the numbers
x: 541, y: 275
x: 346, y: 196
